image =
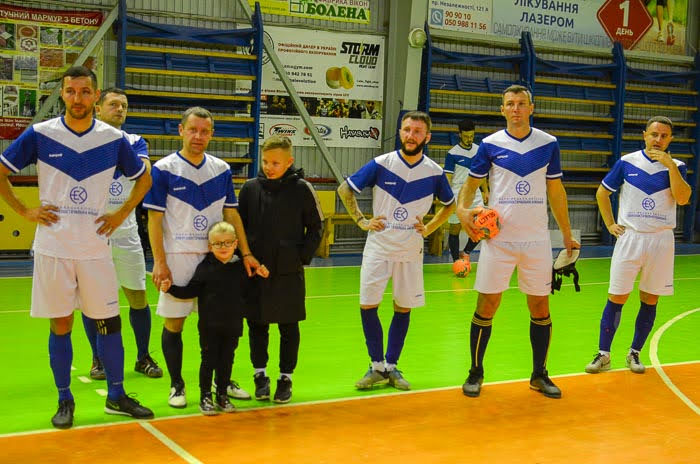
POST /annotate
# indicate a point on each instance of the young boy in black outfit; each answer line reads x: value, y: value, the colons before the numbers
x: 283, y: 221
x: 219, y: 282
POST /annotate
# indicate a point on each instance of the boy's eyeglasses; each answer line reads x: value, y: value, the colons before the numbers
x: 225, y: 243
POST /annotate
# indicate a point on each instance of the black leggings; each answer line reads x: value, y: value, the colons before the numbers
x: 259, y: 337
x: 218, y: 347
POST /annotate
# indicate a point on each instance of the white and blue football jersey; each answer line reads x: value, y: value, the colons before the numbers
x: 75, y: 171
x: 192, y: 199
x: 518, y: 170
x: 121, y: 187
x: 400, y: 192
x: 457, y: 162
x: 646, y: 202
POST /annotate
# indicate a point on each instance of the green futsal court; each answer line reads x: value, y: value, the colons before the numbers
x: 333, y: 354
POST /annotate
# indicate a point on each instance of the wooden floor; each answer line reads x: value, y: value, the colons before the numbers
x: 616, y: 417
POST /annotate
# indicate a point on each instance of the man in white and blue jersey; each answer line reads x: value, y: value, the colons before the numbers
x: 457, y: 163
x: 127, y: 252
x: 191, y: 190
x: 76, y: 157
x: 652, y: 184
x: 524, y: 169
x: 404, y: 183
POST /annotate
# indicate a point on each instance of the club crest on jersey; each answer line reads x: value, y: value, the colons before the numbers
x: 400, y: 213
x: 648, y: 204
x: 78, y: 195
x: 116, y: 189
x: 200, y: 222
x: 522, y: 187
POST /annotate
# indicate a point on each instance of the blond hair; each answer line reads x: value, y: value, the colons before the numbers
x: 277, y: 141
x: 222, y: 227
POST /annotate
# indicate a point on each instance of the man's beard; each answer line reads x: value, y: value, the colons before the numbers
x: 80, y: 114
x: 415, y: 151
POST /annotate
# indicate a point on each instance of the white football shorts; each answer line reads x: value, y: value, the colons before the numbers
x: 60, y: 285
x: 497, y: 261
x: 129, y: 262
x: 650, y: 253
x: 406, y: 278
x: 478, y: 201
x: 182, y: 267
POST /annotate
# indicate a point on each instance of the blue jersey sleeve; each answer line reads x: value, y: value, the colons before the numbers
x: 141, y: 148
x: 613, y: 179
x: 365, y: 177
x: 450, y: 163
x: 683, y: 170
x: 128, y: 162
x: 22, y: 152
x: 158, y: 194
x: 481, y: 163
x: 231, y: 200
x: 554, y: 166
x: 444, y: 191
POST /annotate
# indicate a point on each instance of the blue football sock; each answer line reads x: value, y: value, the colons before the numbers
x: 374, y: 336
x: 141, y: 324
x: 643, y: 325
x: 91, y: 332
x: 61, y: 358
x: 397, y: 335
x: 111, y: 352
x: 609, y: 323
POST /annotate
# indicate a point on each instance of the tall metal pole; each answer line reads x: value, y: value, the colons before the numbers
x: 99, y: 34
x: 274, y: 59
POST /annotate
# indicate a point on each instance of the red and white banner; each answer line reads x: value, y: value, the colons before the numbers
x: 36, y: 47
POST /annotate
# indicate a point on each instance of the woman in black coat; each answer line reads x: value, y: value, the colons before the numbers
x: 283, y: 221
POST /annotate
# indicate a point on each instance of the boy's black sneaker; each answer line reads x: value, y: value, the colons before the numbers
x: 148, y: 367
x: 97, y: 370
x: 284, y: 390
x: 206, y: 406
x: 63, y: 419
x: 262, y: 386
x: 128, y: 406
x: 224, y: 404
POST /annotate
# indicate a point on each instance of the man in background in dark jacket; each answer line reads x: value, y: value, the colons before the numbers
x: 283, y: 221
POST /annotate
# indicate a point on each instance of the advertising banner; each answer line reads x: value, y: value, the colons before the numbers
x: 340, y: 79
x: 36, y: 47
x: 347, y: 11
x: 653, y: 26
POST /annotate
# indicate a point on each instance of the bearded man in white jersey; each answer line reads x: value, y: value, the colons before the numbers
x: 127, y: 252
x: 404, y: 183
x: 76, y: 157
x: 524, y: 169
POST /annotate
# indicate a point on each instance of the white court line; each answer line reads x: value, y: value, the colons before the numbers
x: 84, y: 379
x: 654, y: 356
x: 317, y: 402
x: 174, y: 447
